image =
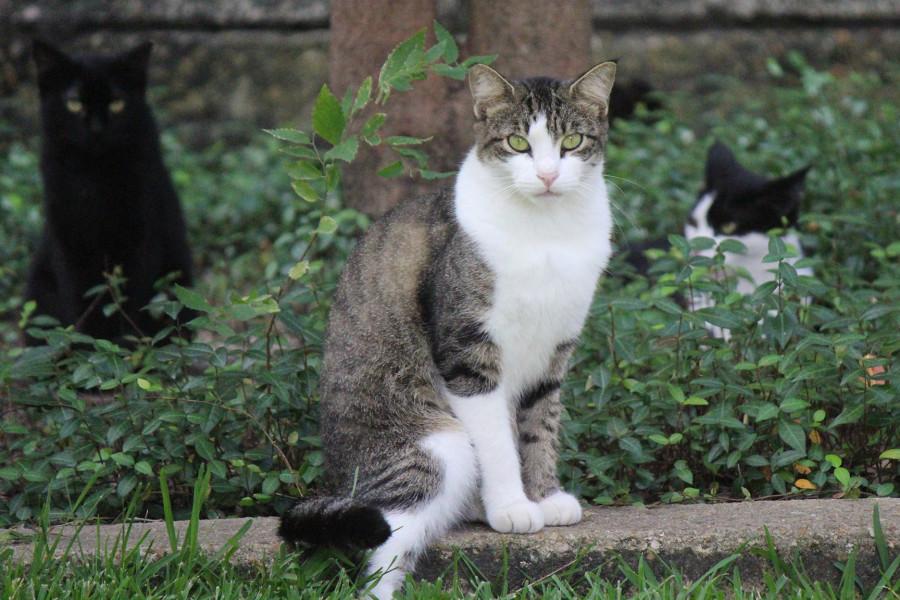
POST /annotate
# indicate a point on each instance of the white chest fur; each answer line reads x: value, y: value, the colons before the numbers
x: 546, y: 255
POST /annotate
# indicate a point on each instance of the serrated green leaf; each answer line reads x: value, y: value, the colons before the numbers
x: 306, y: 170
x: 345, y: 151
x: 294, y: 136
x: 363, y: 95
x: 452, y: 72
x: 480, y: 59
x: 299, y: 270
x: 451, y: 51
x: 395, y: 169
x: 305, y: 191
x: 373, y: 124
x: 405, y: 140
x: 328, y: 120
x: 892, y: 454
x: 327, y: 225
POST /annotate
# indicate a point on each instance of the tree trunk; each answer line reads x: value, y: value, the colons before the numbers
x: 533, y: 37
x: 363, y: 32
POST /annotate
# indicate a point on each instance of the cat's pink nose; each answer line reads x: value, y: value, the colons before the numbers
x: 548, y: 178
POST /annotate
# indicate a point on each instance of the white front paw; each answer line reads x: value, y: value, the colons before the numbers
x: 560, y: 508
x: 521, y: 516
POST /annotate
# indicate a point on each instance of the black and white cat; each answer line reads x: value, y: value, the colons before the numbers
x: 738, y: 204
x: 108, y: 198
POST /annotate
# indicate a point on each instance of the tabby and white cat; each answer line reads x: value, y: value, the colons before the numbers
x: 451, y: 330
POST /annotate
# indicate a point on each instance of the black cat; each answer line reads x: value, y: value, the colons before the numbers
x: 108, y: 198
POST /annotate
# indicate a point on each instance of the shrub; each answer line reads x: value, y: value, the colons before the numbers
x: 793, y: 402
x: 84, y: 414
x: 657, y: 410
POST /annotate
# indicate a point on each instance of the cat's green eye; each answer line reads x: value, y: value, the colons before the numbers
x: 518, y: 143
x: 572, y: 141
x: 729, y: 228
x: 74, y: 106
x: 116, y: 106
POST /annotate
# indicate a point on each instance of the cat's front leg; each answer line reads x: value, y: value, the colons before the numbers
x: 488, y: 422
x: 538, y: 424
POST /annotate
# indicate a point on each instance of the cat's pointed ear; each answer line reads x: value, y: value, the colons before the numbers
x: 50, y: 61
x: 788, y: 190
x: 490, y: 90
x: 720, y: 161
x: 594, y: 87
x: 132, y: 65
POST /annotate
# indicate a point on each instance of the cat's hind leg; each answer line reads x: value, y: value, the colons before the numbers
x: 415, y: 527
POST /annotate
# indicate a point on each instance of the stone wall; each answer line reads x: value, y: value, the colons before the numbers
x: 226, y: 68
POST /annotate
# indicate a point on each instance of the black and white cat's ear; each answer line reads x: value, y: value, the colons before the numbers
x: 132, y: 64
x: 490, y: 90
x: 593, y: 88
x: 720, y: 161
x: 49, y: 60
x: 789, y: 189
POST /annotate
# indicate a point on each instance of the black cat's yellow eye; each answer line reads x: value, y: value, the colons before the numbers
x: 116, y: 106
x: 729, y: 228
x: 74, y: 106
x: 572, y: 141
x: 518, y: 143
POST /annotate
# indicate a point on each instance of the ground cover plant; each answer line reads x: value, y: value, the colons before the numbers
x: 801, y: 400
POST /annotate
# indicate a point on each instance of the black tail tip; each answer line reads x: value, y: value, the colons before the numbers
x: 353, y: 527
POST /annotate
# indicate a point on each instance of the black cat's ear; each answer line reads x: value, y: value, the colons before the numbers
x: 592, y: 89
x: 720, y: 161
x: 132, y: 65
x: 788, y: 190
x: 50, y: 62
x: 490, y: 91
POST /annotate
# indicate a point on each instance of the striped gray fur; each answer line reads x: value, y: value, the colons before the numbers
x: 407, y: 315
x: 408, y: 322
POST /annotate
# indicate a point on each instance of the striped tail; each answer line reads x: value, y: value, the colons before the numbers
x: 334, y: 522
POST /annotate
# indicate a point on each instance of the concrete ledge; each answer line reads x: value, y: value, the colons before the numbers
x: 692, y: 538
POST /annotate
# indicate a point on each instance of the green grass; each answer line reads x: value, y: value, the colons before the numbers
x: 120, y: 570
x: 185, y: 573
